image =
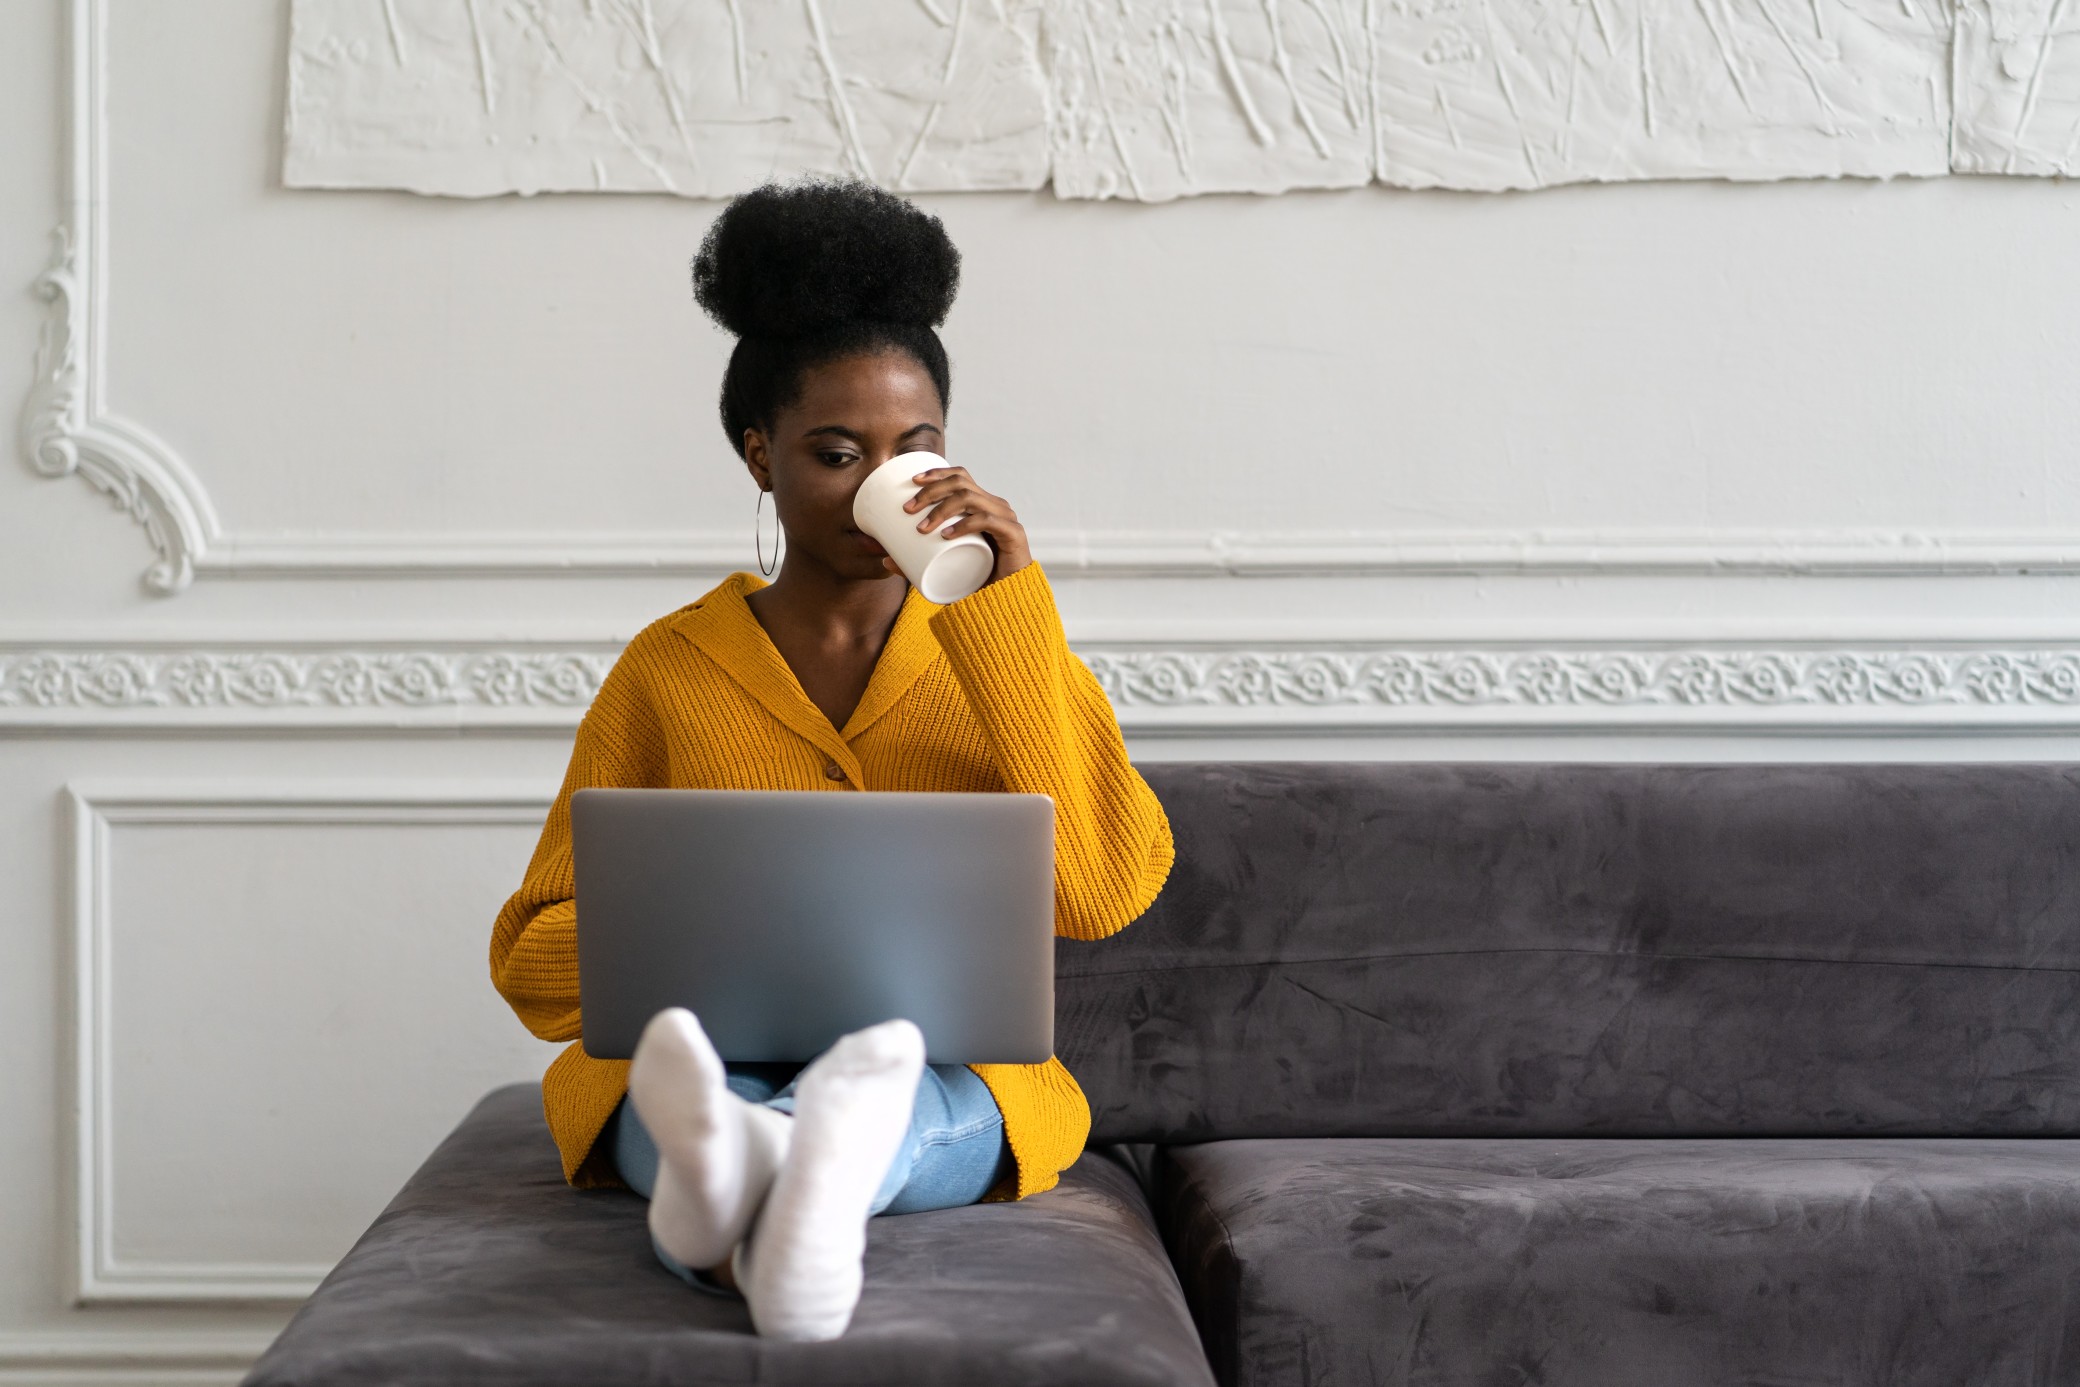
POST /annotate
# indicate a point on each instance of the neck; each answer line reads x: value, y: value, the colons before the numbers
x: 809, y: 597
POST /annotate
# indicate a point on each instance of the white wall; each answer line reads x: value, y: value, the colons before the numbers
x: 1656, y: 470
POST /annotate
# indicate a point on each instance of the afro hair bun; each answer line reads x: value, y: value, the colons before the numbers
x: 790, y: 260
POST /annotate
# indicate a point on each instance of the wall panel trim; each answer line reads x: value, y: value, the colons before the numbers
x: 67, y: 426
x: 1190, y: 553
x: 95, y: 809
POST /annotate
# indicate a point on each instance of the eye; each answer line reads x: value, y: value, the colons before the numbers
x: 835, y: 459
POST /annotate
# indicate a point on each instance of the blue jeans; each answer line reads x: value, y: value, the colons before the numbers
x: 953, y: 1154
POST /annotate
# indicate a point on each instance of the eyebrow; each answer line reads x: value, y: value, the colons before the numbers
x: 841, y: 431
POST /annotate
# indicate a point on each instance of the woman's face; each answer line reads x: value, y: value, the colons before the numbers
x: 852, y: 415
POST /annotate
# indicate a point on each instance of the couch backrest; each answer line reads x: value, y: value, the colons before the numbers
x: 1408, y: 949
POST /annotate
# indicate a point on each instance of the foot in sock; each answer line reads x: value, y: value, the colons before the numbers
x: 717, y: 1154
x: 801, y: 1271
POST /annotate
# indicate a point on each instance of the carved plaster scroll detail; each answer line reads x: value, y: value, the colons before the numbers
x: 54, y: 415
x: 1725, y: 680
x: 66, y: 430
x: 61, y: 439
x: 276, y: 680
x: 1154, y: 687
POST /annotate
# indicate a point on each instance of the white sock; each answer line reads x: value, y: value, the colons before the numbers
x: 801, y: 1271
x: 717, y: 1154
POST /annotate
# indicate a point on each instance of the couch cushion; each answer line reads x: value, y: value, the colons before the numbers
x: 1630, y: 1263
x: 1440, y: 950
x: 487, y: 1269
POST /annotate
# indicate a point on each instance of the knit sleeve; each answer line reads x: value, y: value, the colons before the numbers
x: 1052, y: 732
x: 534, y: 943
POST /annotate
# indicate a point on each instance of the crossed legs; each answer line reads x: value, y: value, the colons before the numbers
x: 783, y: 1201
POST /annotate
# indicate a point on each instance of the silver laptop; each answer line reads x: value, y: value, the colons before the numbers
x: 785, y: 919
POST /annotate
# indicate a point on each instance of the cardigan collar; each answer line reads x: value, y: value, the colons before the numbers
x: 723, y: 627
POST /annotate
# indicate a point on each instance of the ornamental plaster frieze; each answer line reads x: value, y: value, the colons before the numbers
x: 114, y: 682
x: 1153, y: 689
x: 1705, y: 680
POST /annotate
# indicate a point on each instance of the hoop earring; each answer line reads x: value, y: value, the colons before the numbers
x: 758, y: 543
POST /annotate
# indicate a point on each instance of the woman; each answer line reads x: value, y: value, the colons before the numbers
x: 835, y: 676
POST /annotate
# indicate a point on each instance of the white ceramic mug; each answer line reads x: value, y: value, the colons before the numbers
x: 944, y: 570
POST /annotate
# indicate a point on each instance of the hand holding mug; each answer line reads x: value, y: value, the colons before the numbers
x: 948, y: 536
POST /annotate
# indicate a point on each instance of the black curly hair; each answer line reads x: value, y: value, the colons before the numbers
x: 808, y: 272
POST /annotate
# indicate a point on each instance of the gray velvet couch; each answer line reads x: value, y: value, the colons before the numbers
x: 1585, y: 1076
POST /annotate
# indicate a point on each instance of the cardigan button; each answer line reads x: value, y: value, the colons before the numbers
x: 834, y: 771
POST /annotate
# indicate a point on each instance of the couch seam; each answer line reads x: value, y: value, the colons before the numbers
x: 1578, y: 953
x: 1234, y: 1258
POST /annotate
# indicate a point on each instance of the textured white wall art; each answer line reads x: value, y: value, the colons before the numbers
x: 1153, y: 101
x: 2018, y: 87
x: 1157, y: 99
x: 1492, y: 94
x: 698, y: 97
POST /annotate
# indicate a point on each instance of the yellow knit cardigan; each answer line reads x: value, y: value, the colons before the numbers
x: 982, y: 694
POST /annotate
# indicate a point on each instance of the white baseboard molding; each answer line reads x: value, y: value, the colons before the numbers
x: 82, y: 1358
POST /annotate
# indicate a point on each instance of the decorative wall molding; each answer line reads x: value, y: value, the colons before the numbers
x: 106, y: 687
x: 96, y: 809
x: 69, y: 429
x: 1205, y: 553
x: 1839, y: 687
x: 1263, y: 689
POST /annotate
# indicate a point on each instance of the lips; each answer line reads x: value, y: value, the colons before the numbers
x: 868, y: 543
